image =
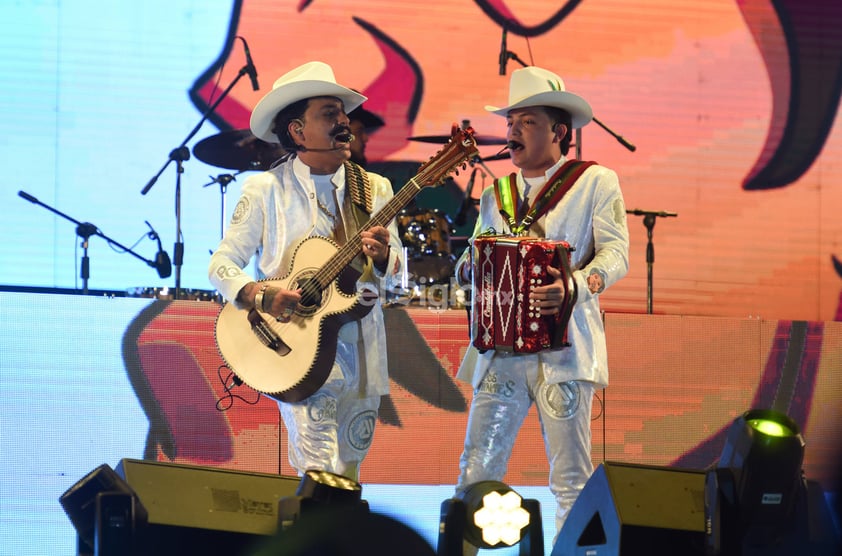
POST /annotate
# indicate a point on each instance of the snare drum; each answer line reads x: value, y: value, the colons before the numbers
x: 425, y: 234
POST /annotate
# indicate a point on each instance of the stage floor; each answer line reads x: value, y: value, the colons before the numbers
x: 92, y: 380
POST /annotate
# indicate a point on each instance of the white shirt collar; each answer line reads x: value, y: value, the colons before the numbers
x: 531, y: 185
x: 303, y: 172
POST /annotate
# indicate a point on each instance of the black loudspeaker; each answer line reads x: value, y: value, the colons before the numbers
x: 204, y: 510
x: 627, y: 509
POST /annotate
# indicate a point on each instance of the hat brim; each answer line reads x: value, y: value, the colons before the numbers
x: 370, y: 120
x: 278, y: 99
x: 580, y: 111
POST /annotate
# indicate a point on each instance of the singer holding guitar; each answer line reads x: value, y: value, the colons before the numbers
x: 553, y: 199
x: 315, y: 191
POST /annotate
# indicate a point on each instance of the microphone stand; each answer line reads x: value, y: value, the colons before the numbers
x: 649, y: 221
x: 616, y: 136
x: 223, y: 180
x: 619, y: 138
x: 179, y: 155
x: 84, y: 230
x: 512, y: 56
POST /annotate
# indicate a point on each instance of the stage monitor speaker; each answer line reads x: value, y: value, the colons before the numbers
x: 205, y: 510
x: 627, y: 509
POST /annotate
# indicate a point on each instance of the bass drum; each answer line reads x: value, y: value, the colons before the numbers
x: 425, y: 234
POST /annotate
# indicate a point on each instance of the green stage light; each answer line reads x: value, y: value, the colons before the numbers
x: 757, y: 499
x: 771, y: 428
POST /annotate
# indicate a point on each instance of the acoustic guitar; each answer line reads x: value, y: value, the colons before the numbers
x: 289, y: 361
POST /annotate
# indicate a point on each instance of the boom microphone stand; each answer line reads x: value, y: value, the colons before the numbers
x: 509, y: 55
x: 85, y: 230
x: 179, y: 155
x: 649, y: 221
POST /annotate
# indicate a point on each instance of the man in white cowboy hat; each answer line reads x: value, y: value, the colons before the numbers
x: 591, y: 216
x: 314, y: 191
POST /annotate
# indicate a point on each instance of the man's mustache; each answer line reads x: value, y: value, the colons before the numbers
x: 342, y: 133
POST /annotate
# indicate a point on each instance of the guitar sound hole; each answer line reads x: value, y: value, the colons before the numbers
x: 311, y: 296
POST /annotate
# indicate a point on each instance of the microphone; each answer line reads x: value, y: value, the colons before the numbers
x: 250, y: 68
x: 504, y: 53
x: 28, y: 197
x: 162, y: 260
x: 626, y: 144
x: 304, y: 149
x: 462, y: 215
x: 343, y: 136
x: 509, y: 146
x: 641, y: 212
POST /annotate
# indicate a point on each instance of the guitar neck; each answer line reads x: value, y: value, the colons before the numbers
x: 460, y: 147
x: 343, y: 257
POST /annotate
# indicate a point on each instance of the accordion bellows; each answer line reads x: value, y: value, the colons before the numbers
x: 505, y: 271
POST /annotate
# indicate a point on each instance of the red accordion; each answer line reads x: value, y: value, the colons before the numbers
x: 505, y: 270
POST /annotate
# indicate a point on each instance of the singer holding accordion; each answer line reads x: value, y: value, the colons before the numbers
x: 549, y: 239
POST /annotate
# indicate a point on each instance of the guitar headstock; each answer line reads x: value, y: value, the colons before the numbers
x: 460, y: 148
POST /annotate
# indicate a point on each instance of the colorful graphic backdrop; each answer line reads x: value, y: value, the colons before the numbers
x: 731, y: 105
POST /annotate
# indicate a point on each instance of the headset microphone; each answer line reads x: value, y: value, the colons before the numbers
x: 342, y: 137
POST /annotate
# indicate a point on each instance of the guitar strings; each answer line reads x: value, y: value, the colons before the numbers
x: 345, y: 255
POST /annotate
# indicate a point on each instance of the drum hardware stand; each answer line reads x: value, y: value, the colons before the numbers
x: 223, y: 180
x: 468, y: 201
x: 85, y: 230
x: 477, y: 159
x: 649, y: 221
x: 179, y: 155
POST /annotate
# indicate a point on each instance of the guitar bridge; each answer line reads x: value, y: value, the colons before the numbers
x: 266, y: 335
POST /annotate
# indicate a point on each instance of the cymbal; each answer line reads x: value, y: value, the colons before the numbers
x: 237, y: 150
x: 442, y: 139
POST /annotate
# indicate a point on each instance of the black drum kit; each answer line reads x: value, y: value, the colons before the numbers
x: 426, y: 233
x: 426, y: 237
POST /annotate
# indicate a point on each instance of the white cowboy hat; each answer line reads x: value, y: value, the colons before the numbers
x: 313, y: 79
x: 534, y: 86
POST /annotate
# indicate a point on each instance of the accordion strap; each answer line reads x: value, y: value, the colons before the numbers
x: 506, y: 193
